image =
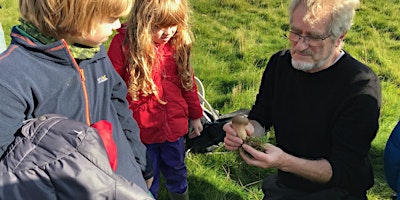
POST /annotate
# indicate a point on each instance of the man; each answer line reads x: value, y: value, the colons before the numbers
x: 323, y: 106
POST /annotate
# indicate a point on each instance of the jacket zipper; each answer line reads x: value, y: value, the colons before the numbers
x: 83, y: 79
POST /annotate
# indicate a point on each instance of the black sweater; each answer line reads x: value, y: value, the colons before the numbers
x: 331, y: 114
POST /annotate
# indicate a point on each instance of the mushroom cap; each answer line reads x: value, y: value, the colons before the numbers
x: 240, y: 119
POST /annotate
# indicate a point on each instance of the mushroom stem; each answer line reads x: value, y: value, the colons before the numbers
x: 239, y: 122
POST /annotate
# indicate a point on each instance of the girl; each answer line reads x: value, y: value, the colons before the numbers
x: 152, y: 53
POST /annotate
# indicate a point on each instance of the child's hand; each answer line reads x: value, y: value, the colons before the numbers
x: 149, y: 182
x: 197, y: 128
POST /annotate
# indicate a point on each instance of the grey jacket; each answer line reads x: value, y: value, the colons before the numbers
x: 54, y: 157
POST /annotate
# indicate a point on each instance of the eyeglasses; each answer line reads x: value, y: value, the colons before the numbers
x: 310, y: 40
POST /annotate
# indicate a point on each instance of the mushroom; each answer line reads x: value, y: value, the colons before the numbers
x: 239, y: 122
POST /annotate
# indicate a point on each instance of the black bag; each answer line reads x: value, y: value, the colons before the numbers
x: 212, y: 135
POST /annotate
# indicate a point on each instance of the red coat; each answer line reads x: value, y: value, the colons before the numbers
x: 159, y: 123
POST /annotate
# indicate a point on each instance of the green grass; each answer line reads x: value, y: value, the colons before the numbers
x: 234, y: 40
x: 9, y: 14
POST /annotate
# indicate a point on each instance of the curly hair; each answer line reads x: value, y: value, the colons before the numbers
x: 140, y: 51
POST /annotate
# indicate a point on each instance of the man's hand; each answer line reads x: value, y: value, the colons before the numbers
x: 318, y: 170
x: 231, y: 140
x: 273, y: 156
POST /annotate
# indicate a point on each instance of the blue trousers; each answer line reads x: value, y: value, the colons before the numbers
x: 169, y: 159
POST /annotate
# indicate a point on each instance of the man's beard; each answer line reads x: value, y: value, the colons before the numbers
x: 309, y: 66
x: 305, y: 66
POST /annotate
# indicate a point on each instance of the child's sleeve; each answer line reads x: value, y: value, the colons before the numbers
x: 11, y: 116
x: 192, y: 99
x: 130, y: 127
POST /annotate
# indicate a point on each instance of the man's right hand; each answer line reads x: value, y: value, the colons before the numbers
x: 231, y: 140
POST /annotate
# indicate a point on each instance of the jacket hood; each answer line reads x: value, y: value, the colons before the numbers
x: 123, y: 28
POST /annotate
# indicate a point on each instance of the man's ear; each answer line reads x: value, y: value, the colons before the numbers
x: 340, y: 39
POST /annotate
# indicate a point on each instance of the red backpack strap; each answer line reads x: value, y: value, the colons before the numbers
x: 104, y: 128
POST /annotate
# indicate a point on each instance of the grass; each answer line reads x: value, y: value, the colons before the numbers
x: 234, y: 40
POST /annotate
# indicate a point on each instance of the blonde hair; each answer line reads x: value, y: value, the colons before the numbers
x: 341, y: 11
x: 140, y: 51
x: 58, y: 18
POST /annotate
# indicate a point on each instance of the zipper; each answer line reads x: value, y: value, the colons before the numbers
x: 83, y: 79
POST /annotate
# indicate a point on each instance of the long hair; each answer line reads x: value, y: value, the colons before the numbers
x: 140, y: 51
x: 59, y: 18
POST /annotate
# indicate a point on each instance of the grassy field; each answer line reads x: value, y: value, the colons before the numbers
x: 234, y: 40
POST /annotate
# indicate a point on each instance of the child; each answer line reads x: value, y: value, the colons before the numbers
x: 391, y: 161
x: 152, y: 55
x: 56, y: 63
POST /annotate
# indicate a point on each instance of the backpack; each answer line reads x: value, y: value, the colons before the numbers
x: 212, y: 135
x: 56, y: 158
